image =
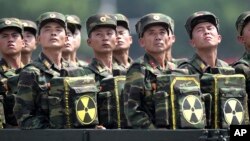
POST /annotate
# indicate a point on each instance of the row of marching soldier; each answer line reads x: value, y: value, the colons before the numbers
x: 155, y: 91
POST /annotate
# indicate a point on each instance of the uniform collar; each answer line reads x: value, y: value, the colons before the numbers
x: 130, y: 61
x: 153, y: 65
x: 200, y: 65
x: 5, y: 67
x: 98, y: 67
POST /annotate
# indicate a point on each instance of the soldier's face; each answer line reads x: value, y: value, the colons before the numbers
x: 77, y: 39
x: 155, y: 39
x: 69, y: 48
x: 30, y: 42
x: 205, y: 36
x: 11, y: 42
x: 124, y: 40
x: 103, y: 40
x: 244, y: 39
x: 52, y: 35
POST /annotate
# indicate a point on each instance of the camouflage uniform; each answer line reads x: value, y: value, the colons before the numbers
x: 6, y: 74
x: 242, y: 66
x: 118, y: 66
x: 31, y: 108
x: 120, y: 69
x: 95, y: 67
x: 141, y: 79
x: 196, y: 65
x: 8, y: 98
x: 74, y: 23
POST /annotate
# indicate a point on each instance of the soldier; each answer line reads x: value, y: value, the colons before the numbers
x: 101, y: 29
x: 30, y: 30
x: 121, y: 53
x: 11, y: 44
x: 102, y: 38
x: 242, y: 66
x: 203, y: 30
x: 69, y: 53
x: 169, y: 56
x: 31, y: 108
x: 153, y: 30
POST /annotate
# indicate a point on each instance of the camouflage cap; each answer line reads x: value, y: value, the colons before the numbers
x: 11, y: 22
x: 151, y: 19
x: 242, y: 21
x: 29, y: 26
x: 51, y: 17
x: 74, y: 20
x: 122, y: 20
x: 100, y: 20
x: 199, y: 17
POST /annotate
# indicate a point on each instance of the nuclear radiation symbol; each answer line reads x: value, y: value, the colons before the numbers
x: 233, y: 111
x: 192, y: 109
x: 86, y: 110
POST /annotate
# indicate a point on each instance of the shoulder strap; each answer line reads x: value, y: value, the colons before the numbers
x: 241, y: 61
x: 189, y: 64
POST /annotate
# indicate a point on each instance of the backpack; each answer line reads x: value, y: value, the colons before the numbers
x: 8, y: 89
x: 111, y: 102
x: 229, y: 97
x: 178, y: 102
x: 73, y: 102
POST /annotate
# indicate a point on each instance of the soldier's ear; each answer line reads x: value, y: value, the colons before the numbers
x: 173, y: 38
x: 142, y: 42
x: 192, y: 43
x: 38, y: 39
x: 241, y: 39
x: 89, y: 42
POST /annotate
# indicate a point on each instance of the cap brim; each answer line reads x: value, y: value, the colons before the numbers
x: 62, y: 23
x: 12, y: 27
x: 153, y: 24
x: 203, y: 18
x: 102, y: 25
x: 123, y: 23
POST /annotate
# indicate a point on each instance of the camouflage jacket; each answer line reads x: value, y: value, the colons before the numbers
x: 242, y: 66
x: 8, y: 98
x: 97, y: 68
x: 120, y: 68
x: 139, y: 90
x: 81, y: 63
x: 31, y: 108
x: 178, y: 61
x: 197, y: 66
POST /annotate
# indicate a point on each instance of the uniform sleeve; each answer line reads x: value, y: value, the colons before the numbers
x: 26, y: 108
x: 245, y: 70
x: 135, y: 109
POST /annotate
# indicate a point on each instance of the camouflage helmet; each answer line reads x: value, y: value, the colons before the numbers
x: 242, y: 21
x: 29, y: 26
x: 151, y: 19
x: 51, y: 17
x: 122, y: 20
x: 100, y: 20
x: 73, y: 20
x: 11, y: 22
x: 199, y: 17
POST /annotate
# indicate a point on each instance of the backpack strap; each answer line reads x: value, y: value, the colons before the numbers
x: 241, y: 61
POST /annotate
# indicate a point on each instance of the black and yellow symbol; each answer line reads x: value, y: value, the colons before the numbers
x: 233, y: 111
x: 192, y: 109
x: 86, y: 110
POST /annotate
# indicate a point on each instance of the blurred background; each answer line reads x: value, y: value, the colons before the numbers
x: 226, y: 10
